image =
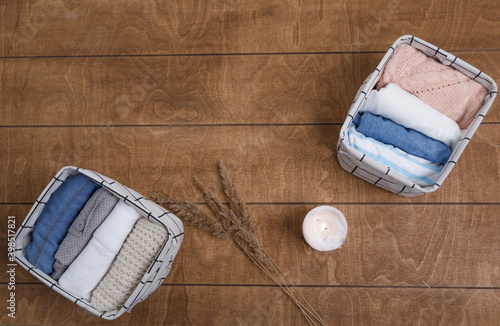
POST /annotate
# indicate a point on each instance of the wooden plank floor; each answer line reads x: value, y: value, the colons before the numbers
x: 151, y: 93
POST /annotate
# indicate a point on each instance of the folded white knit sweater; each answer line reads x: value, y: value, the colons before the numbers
x: 87, y: 270
x: 134, y: 259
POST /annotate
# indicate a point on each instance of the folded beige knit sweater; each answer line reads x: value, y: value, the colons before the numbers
x: 130, y: 265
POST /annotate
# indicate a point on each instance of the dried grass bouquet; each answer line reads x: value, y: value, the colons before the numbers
x: 233, y: 221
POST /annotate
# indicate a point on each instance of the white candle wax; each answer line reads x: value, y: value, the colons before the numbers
x: 325, y: 228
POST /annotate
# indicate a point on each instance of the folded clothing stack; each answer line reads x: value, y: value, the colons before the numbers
x: 80, y: 232
x: 414, y: 118
x: 132, y: 262
x: 95, y: 211
x: 442, y: 87
x: 90, y: 266
x: 55, y: 219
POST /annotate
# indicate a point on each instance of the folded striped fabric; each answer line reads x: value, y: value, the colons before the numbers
x: 420, y: 171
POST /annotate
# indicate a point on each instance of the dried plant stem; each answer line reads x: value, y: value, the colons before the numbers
x: 286, y: 289
x: 236, y: 203
x: 291, y: 284
x: 190, y: 214
x: 285, y: 285
x: 232, y: 224
x: 233, y: 221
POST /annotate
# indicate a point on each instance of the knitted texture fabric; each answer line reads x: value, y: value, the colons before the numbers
x: 442, y: 87
x: 130, y: 265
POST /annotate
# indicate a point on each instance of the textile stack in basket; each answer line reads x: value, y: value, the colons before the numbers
x: 413, y: 117
x: 97, y: 246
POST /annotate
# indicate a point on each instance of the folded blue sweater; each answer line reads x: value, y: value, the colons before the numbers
x: 409, y: 140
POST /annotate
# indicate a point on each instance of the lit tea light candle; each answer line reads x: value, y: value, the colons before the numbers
x: 325, y: 228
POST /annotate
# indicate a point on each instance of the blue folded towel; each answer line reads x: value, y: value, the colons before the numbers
x: 409, y: 140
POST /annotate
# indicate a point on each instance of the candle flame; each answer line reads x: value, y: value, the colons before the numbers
x: 324, y: 227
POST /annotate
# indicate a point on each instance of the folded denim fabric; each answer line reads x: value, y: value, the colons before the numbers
x: 416, y: 169
x: 56, y: 217
x: 403, y: 108
x: 87, y: 270
x: 408, y: 140
x: 95, y: 211
x: 132, y: 262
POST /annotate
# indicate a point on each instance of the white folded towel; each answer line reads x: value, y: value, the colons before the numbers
x: 407, y: 110
x: 87, y: 270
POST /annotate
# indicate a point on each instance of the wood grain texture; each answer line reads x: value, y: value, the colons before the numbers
x: 161, y: 27
x: 441, y: 245
x: 182, y: 90
x: 9, y: 14
x: 153, y: 92
x: 264, y: 89
x: 229, y: 305
x: 286, y: 164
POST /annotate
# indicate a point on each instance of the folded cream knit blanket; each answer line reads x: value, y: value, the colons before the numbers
x: 130, y: 265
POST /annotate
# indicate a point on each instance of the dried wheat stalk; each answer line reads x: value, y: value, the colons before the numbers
x: 236, y: 203
x: 191, y: 214
x: 233, y: 221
